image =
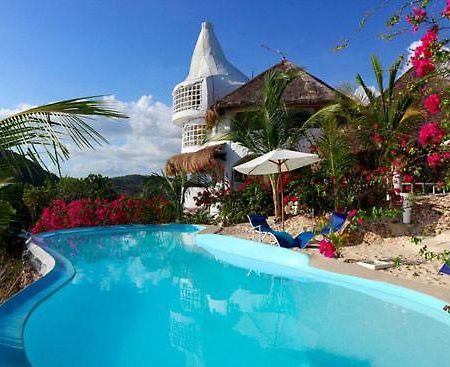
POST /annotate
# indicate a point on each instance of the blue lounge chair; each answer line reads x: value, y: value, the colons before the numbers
x: 337, y: 221
x: 284, y: 239
x: 445, y: 269
x: 259, y: 225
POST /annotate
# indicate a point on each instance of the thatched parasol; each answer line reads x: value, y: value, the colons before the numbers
x: 209, y: 159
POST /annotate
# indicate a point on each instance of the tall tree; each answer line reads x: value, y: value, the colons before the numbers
x: 269, y: 127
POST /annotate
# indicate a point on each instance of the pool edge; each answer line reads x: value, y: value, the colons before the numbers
x: 349, y: 274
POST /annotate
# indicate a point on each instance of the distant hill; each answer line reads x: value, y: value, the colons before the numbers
x: 129, y: 185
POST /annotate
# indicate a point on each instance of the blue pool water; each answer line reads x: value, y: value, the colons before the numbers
x: 151, y: 297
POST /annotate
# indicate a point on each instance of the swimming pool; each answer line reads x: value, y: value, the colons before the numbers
x: 164, y: 296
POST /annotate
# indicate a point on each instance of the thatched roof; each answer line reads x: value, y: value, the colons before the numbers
x: 208, y: 159
x: 304, y: 91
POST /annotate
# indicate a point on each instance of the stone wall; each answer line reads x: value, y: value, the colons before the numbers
x: 431, y: 214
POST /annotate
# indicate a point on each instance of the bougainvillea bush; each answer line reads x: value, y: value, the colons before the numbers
x: 88, y: 213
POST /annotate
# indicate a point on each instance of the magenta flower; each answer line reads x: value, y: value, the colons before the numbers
x: 326, y: 248
x: 434, y: 160
x: 430, y: 133
x: 432, y: 104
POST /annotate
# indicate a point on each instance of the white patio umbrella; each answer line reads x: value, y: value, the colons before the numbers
x: 277, y: 161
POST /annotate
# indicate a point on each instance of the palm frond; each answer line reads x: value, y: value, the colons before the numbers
x: 45, y: 130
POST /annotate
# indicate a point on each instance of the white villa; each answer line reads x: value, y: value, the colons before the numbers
x: 213, y: 93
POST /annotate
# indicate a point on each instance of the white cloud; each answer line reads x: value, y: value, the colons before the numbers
x: 10, y: 111
x: 360, y: 94
x: 410, y: 52
x: 140, y: 144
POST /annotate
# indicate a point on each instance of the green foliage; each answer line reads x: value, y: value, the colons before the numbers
x: 312, y: 190
x: 129, y: 185
x: 174, y: 189
x: 67, y: 189
x: 337, y: 162
x: 6, y: 215
x: 236, y: 205
x: 201, y: 216
x: 373, y: 214
x: 270, y: 127
x: 397, y: 261
x: 443, y: 256
x: 37, y: 199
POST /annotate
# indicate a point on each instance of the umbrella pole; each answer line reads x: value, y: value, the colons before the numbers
x: 280, y: 188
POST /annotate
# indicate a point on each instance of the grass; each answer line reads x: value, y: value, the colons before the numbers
x: 15, y: 274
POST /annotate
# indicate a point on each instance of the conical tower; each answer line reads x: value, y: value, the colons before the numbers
x: 211, y: 76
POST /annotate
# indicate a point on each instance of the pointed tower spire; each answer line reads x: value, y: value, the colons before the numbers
x: 211, y: 76
x: 208, y: 58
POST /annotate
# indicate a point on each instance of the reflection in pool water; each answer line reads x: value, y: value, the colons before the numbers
x: 150, y: 297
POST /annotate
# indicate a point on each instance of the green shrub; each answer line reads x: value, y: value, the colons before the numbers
x: 252, y: 198
x: 67, y: 189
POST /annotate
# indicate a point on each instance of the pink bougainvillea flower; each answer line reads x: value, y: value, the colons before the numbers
x: 417, y: 17
x: 434, y: 159
x: 421, y: 59
x: 326, y: 248
x: 408, y: 178
x: 351, y: 213
x: 446, y: 12
x: 430, y: 133
x: 360, y: 221
x: 432, y: 104
x: 446, y: 155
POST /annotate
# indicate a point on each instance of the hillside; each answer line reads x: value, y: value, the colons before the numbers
x: 129, y: 185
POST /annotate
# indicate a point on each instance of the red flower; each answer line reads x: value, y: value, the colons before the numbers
x: 434, y: 160
x: 446, y: 155
x: 408, y: 178
x: 360, y: 221
x: 421, y: 60
x: 430, y: 133
x: 377, y: 138
x: 446, y: 12
x: 351, y: 213
x: 432, y: 104
x: 415, y: 19
x: 326, y: 248
x: 84, y: 212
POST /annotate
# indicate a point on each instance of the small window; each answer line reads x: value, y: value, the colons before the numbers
x: 188, y: 97
x: 193, y: 134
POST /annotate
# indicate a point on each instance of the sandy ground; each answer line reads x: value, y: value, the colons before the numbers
x: 375, y: 243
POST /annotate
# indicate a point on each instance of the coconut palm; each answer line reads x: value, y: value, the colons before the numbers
x: 380, y: 116
x: 44, y: 131
x: 269, y: 127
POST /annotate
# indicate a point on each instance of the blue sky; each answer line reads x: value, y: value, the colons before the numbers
x: 138, y: 50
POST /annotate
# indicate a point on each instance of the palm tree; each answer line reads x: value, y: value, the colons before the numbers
x: 385, y: 112
x: 374, y: 122
x: 44, y: 131
x: 269, y: 127
x: 50, y: 127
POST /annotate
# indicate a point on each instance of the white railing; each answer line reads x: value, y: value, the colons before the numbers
x: 424, y: 188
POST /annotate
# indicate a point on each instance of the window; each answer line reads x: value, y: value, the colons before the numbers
x: 193, y: 134
x: 188, y: 97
